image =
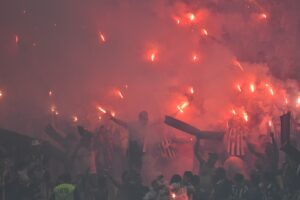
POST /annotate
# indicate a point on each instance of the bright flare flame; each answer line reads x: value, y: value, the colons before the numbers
x: 233, y: 112
x: 152, y: 57
x: 102, y: 37
x: 271, y: 91
x: 50, y: 93
x: 53, y: 109
x: 239, y: 88
x: 195, y: 57
x: 113, y: 114
x: 270, y: 123
x: 173, y: 195
x: 245, y: 115
x: 182, y: 106
x: 119, y: 94
x: 298, y: 102
x: 101, y: 109
x: 263, y: 16
x: 252, y: 88
x: 75, y: 118
x: 204, y: 32
x: 192, y: 17
x: 192, y: 90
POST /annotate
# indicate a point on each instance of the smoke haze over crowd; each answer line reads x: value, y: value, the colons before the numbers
x: 127, y: 56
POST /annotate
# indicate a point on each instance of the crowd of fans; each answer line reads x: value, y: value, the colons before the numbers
x: 30, y: 178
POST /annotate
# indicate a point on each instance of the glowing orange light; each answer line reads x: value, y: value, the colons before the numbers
x: 75, y: 118
x: 56, y: 113
x: 245, y: 115
x: 53, y: 109
x: 263, y: 16
x: 50, y: 93
x: 204, y: 32
x: 182, y: 106
x: 191, y: 17
x: 271, y: 91
x: 101, y: 109
x: 102, y: 37
x: 298, y: 102
x: 233, y: 112
x: 119, y: 94
x: 177, y: 20
x: 238, y: 64
x: 152, y: 57
x: 239, y: 88
x: 195, y: 57
x: 173, y: 195
x: 99, y: 118
x: 252, y: 88
x: 1, y: 94
x: 113, y: 114
x: 286, y: 100
x: 192, y: 90
x: 270, y: 123
x: 17, y: 39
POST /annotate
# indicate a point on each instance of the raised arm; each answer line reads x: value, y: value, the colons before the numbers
x: 197, y: 153
x: 120, y: 122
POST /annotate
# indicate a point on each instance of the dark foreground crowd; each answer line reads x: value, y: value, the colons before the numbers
x: 30, y: 181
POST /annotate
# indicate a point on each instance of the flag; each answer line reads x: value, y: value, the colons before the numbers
x: 235, y: 142
x: 285, y: 128
x: 167, y: 150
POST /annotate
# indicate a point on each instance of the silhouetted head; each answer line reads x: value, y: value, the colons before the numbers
x: 238, y: 179
x: 143, y: 117
x: 176, y: 179
x: 187, y: 177
x: 212, y: 159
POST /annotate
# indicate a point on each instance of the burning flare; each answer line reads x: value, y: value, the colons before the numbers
x: 119, y: 94
x: 192, y: 17
x: 204, y: 32
x: 102, y: 38
x: 245, y: 116
x: 102, y: 109
x: 239, y: 88
x: 182, y: 106
x: 152, y: 57
x: 233, y: 111
x: 252, y: 87
x: 75, y: 118
x: 192, y: 90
